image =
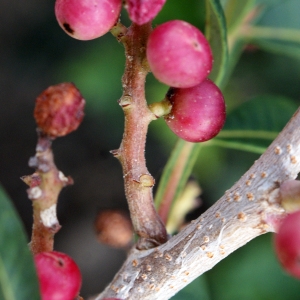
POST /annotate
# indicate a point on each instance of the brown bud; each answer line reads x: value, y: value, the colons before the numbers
x: 59, y: 109
x: 113, y: 228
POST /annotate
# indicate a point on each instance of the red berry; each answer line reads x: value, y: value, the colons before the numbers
x: 198, y: 113
x: 59, y: 109
x: 87, y: 19
x: 287, y: 244
x: 179, y: 54
x: 143, y: 11
x: 58, y: 275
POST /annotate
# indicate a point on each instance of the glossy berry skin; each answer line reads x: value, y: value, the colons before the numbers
x: 198, y: 113
x: 58, y: 275
x: 179, y: 54
x: 87, y: 19
x: 143, y: 11
x: 287, y: 244
x: 59, y: 109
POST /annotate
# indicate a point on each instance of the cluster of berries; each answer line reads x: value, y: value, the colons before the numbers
x: 178, y: 55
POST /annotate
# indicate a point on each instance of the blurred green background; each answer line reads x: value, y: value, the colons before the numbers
x: 36, y: 53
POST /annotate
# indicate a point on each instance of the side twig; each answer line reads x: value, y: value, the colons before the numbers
x: 44, y: 187
x: 131, y: 153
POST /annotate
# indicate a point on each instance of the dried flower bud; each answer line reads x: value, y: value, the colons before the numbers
x: 144, y: 11
x: 59, y: 109
x: 113, y: 228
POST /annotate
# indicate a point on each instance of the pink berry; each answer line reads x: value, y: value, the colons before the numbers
x: 143, y: 11
x: 287, y: 244
x: 179, y: 54
x: 87, y: 19
x: 59, y: 109
x: 58, y: 275
x: 198, y: 113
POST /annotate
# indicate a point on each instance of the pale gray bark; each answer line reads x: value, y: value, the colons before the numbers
x: 236, y: 218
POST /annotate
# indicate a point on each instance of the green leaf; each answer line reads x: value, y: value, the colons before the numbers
x: 215, y: 32
x: 291, y: 50
x: 255, y: 123
x: 235, y: 11
x: 18, y: 280
x: 252, y: 273
x: 196, y: 290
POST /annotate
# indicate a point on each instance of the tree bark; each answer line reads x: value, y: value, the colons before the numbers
x: 241, y: 214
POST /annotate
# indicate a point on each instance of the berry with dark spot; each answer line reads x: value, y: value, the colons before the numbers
x: 58, y: 275
x: 87, y: 19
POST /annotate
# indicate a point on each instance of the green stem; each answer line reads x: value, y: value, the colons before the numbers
x: 236, y: 145
x: 279, y: 34
x: 175, y: 175
x: 6, y: 287
x: 257, y: 134
x: 131, y: 153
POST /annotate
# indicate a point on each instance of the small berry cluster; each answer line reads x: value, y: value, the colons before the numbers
x: 178, y: 55
x: 58, y: 275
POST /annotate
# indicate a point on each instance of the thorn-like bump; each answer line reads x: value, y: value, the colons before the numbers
x: 115, y: 153
x: 147, y: 180
x: 125, y: 102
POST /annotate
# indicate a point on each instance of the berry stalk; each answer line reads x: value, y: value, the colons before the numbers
x: 58, y: 111
x: 44, y: 187
x: 137, y: 179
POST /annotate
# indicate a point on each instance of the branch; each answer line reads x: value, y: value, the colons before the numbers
x: 44, y: 187
x: 131, y: 153
x: 238, y: 217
